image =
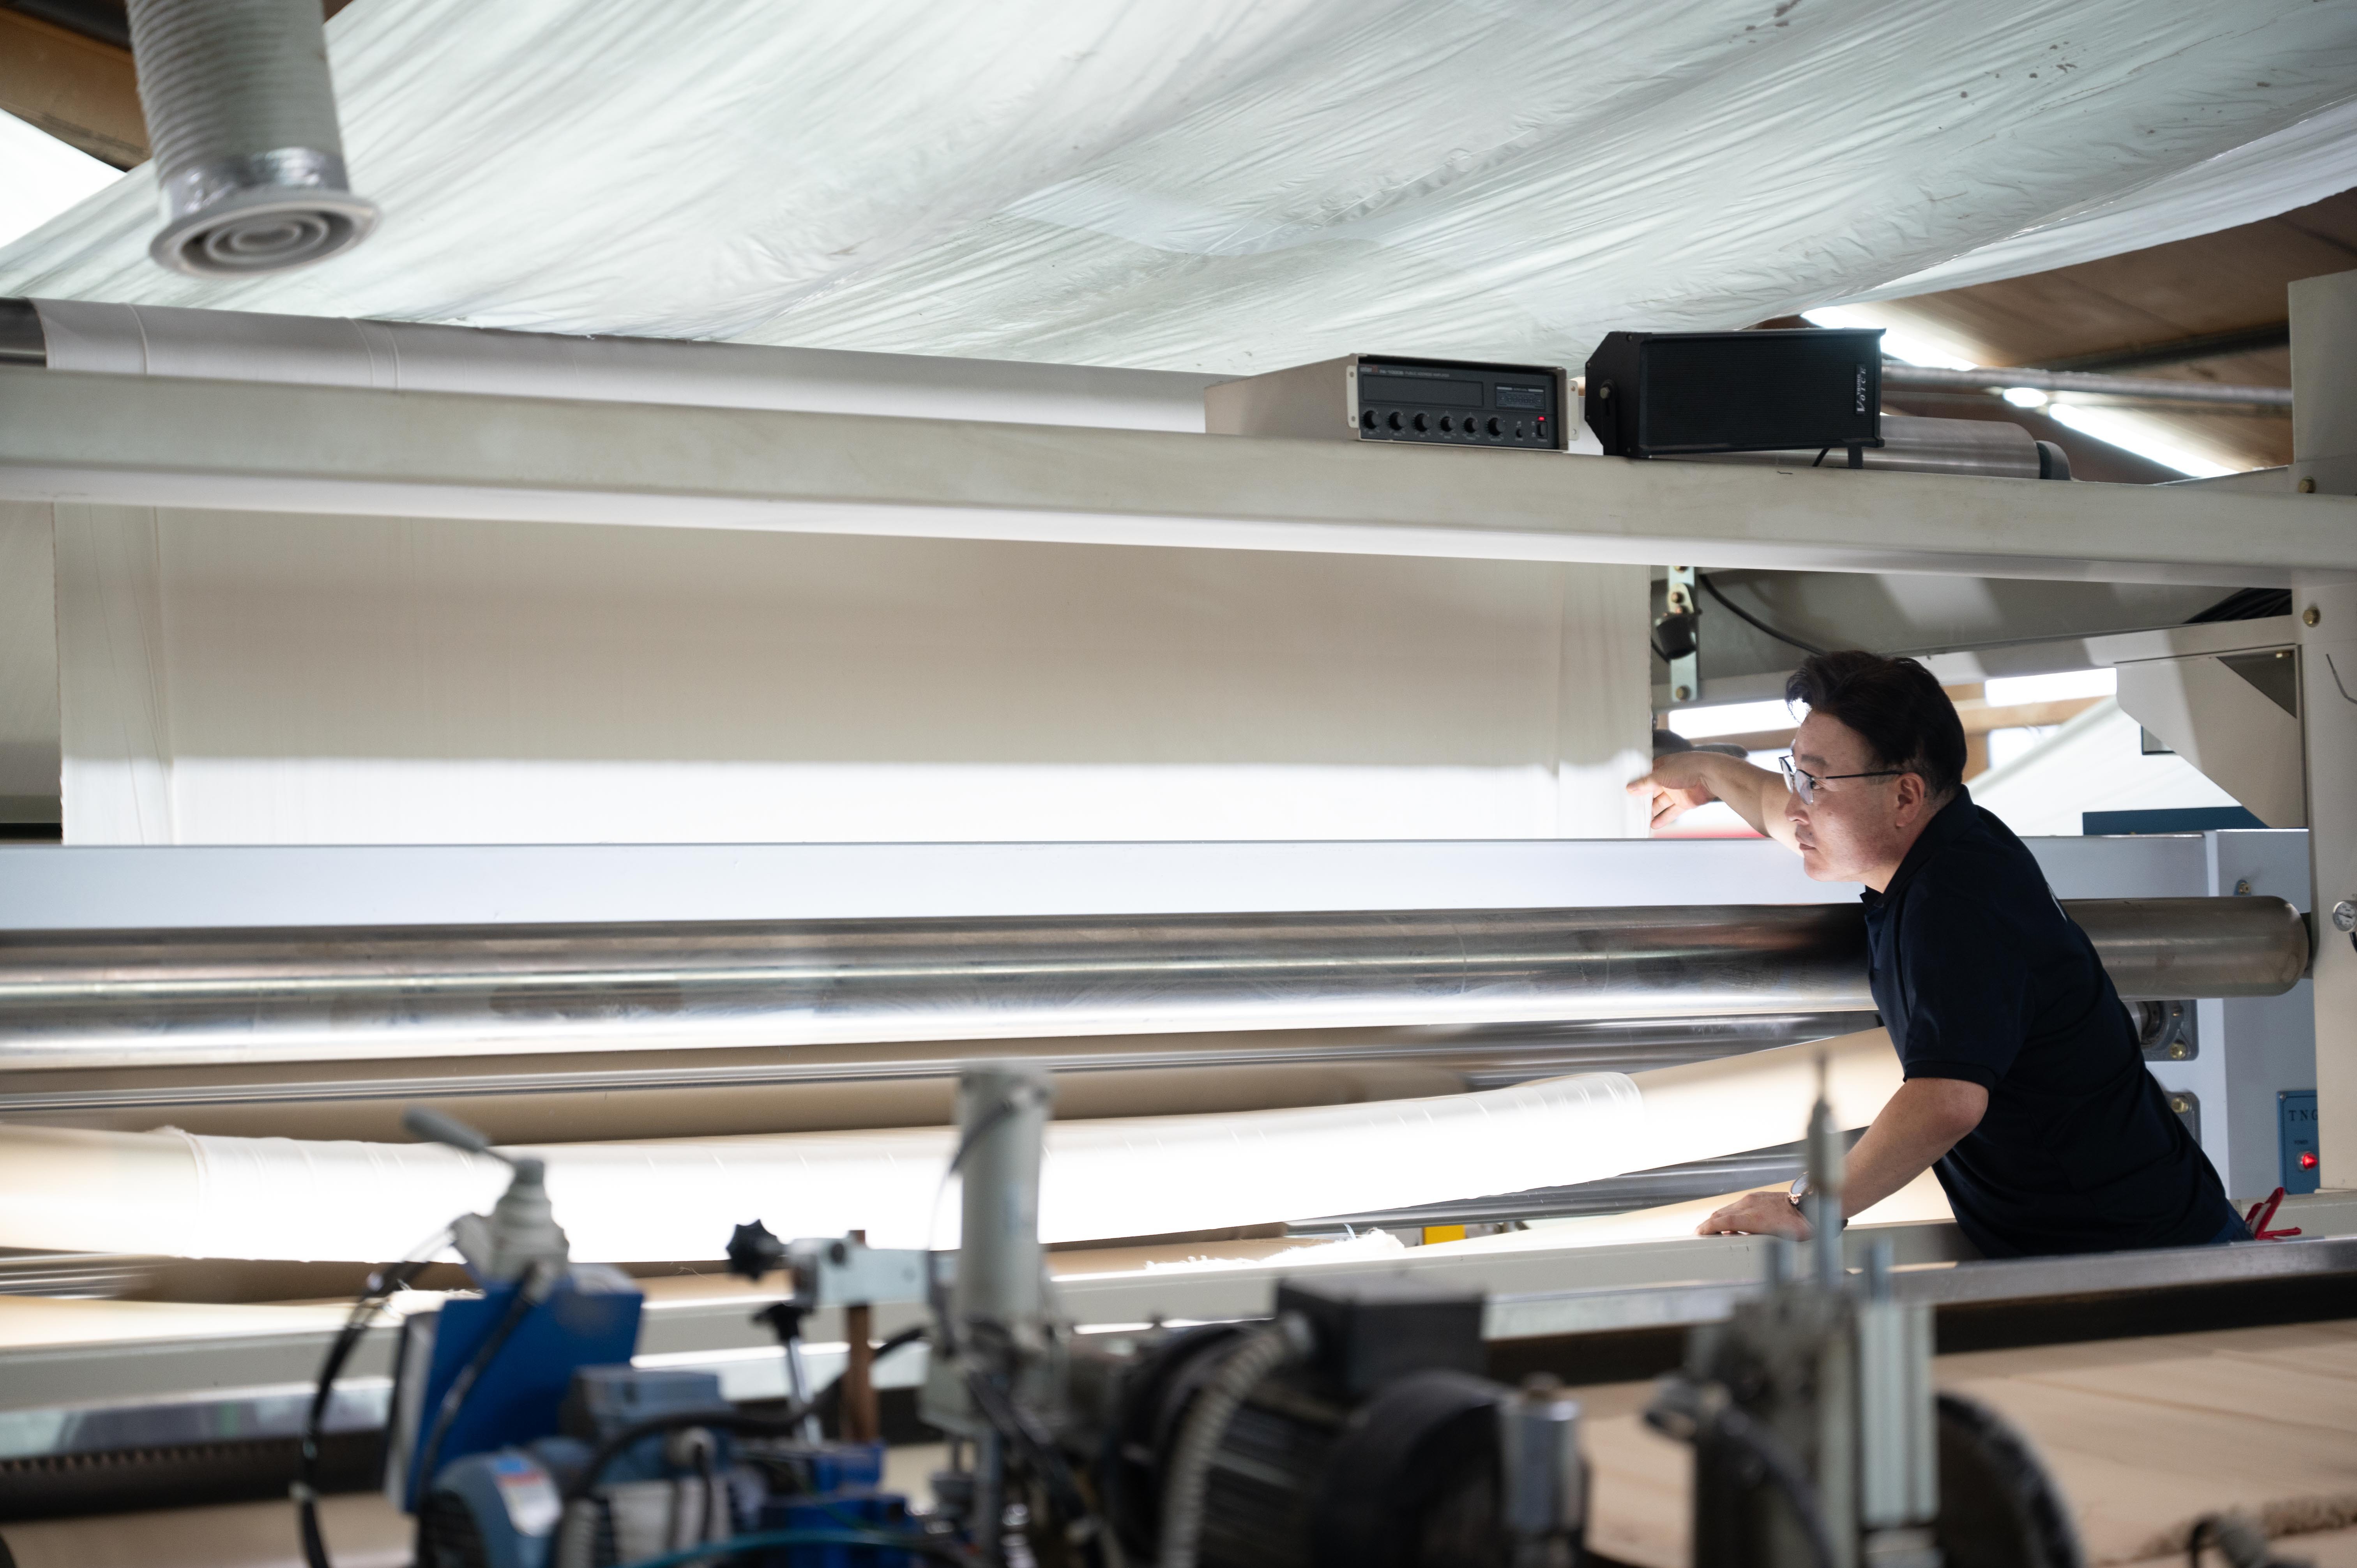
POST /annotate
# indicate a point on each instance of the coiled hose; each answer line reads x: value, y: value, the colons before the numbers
x: 1263, y: 1352
x: 242, y: 118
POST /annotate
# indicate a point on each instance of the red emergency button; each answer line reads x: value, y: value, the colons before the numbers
x: 2307, y: 1161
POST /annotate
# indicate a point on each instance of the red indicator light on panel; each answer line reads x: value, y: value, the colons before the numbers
x: 2307, y: 1162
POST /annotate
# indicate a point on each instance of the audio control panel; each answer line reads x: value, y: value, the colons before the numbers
x: 1383, y: 397
x: 1459, y: 405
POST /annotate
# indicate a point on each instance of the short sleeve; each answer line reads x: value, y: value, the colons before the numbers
x: 1967, y: 991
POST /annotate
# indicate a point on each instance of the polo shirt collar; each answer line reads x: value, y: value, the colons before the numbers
x: 1947, y: 825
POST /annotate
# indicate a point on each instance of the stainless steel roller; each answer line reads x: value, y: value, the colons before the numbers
x: 2197, y: 947
x: 192, y: 998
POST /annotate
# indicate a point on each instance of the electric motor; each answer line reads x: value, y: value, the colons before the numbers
x: 1376, y: 1445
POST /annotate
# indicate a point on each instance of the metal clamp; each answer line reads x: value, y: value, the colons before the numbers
x: 1680, y: 629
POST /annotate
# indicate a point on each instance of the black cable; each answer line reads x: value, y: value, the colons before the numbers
x: 1679, y: 1413
x: 829, y: 1399
x: 771, y: 1540
x: 1752, y: 620
x: 379, y: 1288
x: 1776, y: 1459
x: 528, y: 1294
x: 999, y: 1408
x: 707, y: 1467
x: 906, y: 1336
x: 1022, y: 1429
x: 583, y: 1483
x: 999, y: 1113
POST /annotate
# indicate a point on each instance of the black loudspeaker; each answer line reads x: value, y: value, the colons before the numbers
x: 1659, y: 395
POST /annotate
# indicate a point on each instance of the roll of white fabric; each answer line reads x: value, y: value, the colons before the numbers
x: 179, y: 1195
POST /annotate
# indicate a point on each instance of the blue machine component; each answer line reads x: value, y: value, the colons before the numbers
x: 605, y: 1401
x: 880, y: 1512
x: 2296, y: 1138
x: 844, y: 1467
x: 502, y: 1505
x: 585, y: 1321
x: 501, y: 1508
x: 492, y: 1511
x: 841, y: 1481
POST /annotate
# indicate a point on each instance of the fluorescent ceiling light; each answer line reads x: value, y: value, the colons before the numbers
x: 44, y: 176
x: 2147, y: 438
x: 2011, y: 690
x: 1910, y: 341
x: 2027, y: 397
x: 2011, y: 745
x: 1731, y: 718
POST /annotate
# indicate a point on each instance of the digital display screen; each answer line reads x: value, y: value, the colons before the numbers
x: 1395, y: 387
x: 1521, y: 397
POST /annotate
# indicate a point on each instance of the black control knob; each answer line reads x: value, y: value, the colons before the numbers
x: 753, y: 1252
x: 1367, y: 419
x: 1422, y: 424
x: 1448, y: 425
x: 1394, y: 421
x: 1494, y: 426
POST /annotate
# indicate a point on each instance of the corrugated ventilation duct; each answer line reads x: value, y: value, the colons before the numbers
x: 242, y: 116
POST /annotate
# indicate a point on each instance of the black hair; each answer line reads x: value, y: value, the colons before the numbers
x: 1895, y: 705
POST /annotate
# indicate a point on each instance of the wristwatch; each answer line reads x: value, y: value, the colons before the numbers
x: 1800, y: 1190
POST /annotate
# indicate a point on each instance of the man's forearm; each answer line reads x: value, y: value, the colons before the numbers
x: 1922, y: 1121
x: 1755, y: 794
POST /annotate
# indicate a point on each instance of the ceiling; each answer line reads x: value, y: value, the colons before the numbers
x: 1223, y: 185
x: 65, y: 66
x: 2204, y: 309
x: 2209, y: 309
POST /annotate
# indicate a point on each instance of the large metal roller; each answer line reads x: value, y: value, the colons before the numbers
x: 2197, y: 947
x: 192, y: 998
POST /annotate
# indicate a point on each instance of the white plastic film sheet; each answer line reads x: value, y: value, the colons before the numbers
x: 178, y: 1195
x: 228, y: 677
x: 1235, y: 185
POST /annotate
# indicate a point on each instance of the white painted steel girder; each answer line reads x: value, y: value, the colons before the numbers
x: 231, y: 445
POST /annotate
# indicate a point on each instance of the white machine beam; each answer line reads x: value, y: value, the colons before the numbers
x: 2324, y: 605
x: 165, y: 442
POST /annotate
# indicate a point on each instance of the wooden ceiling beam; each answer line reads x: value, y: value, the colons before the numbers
x: 2177, y: 351
x: 80, y: 90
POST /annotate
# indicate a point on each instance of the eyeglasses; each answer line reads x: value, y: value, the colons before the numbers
x: 1804, y: 783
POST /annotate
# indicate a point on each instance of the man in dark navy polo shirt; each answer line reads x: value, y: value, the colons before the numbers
x: 2026, y: 1089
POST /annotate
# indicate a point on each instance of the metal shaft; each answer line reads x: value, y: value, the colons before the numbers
x: 2154, y: 388
x: 1002, y: 1275
x: 95, y: 1000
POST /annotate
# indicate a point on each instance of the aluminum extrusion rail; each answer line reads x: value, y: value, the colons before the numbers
x: 92, y: 1000
x: 1980, y: 1283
